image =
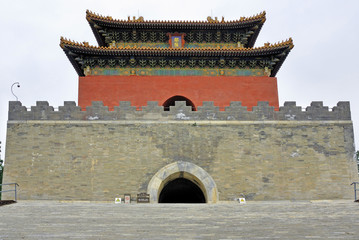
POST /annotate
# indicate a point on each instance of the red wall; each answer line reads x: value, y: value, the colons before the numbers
x: 140, y: 89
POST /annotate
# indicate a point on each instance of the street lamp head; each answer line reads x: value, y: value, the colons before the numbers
x: 18, y: 85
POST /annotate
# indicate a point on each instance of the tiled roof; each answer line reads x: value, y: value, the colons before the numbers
x: 75, y: 51
x: 231, y: 51
x: 248, y: 25
x: 93, y: 16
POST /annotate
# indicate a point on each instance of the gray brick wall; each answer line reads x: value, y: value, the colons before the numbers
x: 98, y: 154
x: 316, y: 111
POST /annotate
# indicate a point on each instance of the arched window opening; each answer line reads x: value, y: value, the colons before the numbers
x: 171, y: 102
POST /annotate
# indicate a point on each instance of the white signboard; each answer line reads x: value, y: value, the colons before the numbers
x: 117, y: 200
x: 127, y: 198
x: 242, y: 200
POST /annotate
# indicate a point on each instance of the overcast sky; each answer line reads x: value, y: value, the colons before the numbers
x: 323, y: 66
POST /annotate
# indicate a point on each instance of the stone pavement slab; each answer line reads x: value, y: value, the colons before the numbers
x: 254, y: 220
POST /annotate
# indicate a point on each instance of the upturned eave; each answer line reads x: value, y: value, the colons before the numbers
x: 76, y: 51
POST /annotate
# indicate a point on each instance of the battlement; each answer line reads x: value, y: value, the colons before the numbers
x: 290, y: 112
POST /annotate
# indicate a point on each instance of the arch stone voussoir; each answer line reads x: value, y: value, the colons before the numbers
x: 164, y: 175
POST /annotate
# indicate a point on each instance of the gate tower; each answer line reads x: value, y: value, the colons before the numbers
x: 164, y: 61
x: 184, y: 111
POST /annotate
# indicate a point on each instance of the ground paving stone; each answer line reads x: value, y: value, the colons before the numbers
x: 254, y: 220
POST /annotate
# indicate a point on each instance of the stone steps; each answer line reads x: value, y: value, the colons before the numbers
x: 254, y: 220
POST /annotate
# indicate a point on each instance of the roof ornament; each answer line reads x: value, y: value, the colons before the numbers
x: 211, y: 20
x: 215, y: 20
x: 112, y: 44
x: 139, y: 19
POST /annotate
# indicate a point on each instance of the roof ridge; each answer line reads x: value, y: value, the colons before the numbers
x: 287, y: 42
x: 64, y: 41
x: 91, y: 15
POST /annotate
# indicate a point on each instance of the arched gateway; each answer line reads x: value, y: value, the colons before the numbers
x: 182, y: 176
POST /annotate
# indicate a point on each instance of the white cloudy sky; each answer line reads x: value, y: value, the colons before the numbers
x: 323, y: 66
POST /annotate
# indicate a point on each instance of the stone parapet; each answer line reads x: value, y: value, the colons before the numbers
x: 208, y: 111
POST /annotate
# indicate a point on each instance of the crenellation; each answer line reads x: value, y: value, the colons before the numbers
x: 126, y: 106
x: 43, y: 111
x: 153, y: 111
x: 236, y: 111
x: 152, y: 107
x: 342, y: 110
x: 125, y: 110
x: 17, y: 111
x: 97, y: 111
x: 315, y: 110
x: 70, y: 111
x: 208, y: 111
x: 69, y: 106
x: 263, y: 112
x: 290, y: 111
x: 181, y: 112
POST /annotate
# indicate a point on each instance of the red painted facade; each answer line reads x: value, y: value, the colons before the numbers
x: 140, y: 89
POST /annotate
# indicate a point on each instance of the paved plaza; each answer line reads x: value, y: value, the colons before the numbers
x: 254, y: 220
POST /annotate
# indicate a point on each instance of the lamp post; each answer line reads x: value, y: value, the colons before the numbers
x: 18, y: 85
x: 1, y: 171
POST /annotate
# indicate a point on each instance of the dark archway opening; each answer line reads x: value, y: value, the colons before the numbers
x: 181, y: 190
x: 171, y: 102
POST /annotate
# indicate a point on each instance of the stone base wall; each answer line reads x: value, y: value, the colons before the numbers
x: 104, y: 159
